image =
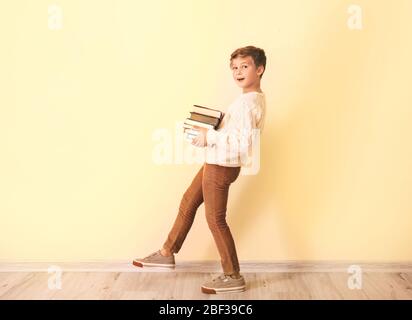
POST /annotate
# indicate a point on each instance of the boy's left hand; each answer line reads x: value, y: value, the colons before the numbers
x: 200, y: 140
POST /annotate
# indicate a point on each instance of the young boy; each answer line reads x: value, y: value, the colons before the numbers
x: 225, y: 149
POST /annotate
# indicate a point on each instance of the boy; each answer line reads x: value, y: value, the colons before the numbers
x: 225, y: 148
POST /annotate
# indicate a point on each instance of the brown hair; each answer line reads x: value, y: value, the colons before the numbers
x: 257, y: 54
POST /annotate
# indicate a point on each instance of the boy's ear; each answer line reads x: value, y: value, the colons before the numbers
x: 260, y: 70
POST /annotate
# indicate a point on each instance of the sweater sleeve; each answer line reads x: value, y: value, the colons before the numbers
x: 238, y: 138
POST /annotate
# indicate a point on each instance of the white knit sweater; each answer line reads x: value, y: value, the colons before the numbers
x: 231, y: 144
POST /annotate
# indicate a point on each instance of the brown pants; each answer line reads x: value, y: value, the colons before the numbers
x: 211, y: 186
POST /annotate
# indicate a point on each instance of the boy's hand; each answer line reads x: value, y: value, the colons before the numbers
x: 200, y: 139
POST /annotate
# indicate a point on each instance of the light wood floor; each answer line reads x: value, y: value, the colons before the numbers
x: 186, y: 285
x: 264, y: 280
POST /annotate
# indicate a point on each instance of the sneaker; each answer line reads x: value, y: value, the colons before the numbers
x: 224, y: 284
x: 156, y: 259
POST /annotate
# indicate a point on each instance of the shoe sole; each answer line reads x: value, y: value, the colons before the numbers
x: 141, y: 264
x: 223, y: 290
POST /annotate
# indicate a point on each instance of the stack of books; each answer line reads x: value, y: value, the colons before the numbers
x: 202, y: 117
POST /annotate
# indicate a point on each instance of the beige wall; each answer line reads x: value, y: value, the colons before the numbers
x: 79, y: 106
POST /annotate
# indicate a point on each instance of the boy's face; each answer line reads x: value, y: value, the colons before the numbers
x: 245, y: 73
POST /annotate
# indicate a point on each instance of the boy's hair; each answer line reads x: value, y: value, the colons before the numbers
x: 257, y: 54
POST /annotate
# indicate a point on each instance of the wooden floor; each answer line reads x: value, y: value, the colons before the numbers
x: 186, y: 285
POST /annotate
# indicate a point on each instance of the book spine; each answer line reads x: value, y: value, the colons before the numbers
x: 203, y: 115
x: 207, y: 111
x: 205, y: 119
x: 199, y: 124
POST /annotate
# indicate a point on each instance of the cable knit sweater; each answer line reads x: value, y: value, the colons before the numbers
x: 230, y: 144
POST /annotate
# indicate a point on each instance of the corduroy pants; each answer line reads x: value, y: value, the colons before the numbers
x: 211, y: 186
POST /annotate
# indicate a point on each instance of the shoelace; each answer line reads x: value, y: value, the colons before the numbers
x: 153, y: 254
x: 221, y: 277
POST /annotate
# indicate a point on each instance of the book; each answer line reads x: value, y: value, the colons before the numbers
x: 205, y: 119
x: 207, y: 111
x: 192, y: 131
x: 187, y: 126
x: 202, y: 117
x: 191, y: 135
x: 199, y: 124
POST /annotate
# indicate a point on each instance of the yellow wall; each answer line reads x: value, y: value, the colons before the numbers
x: 79, y: 106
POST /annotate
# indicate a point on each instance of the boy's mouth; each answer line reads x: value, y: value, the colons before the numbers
x: 240, y: 79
